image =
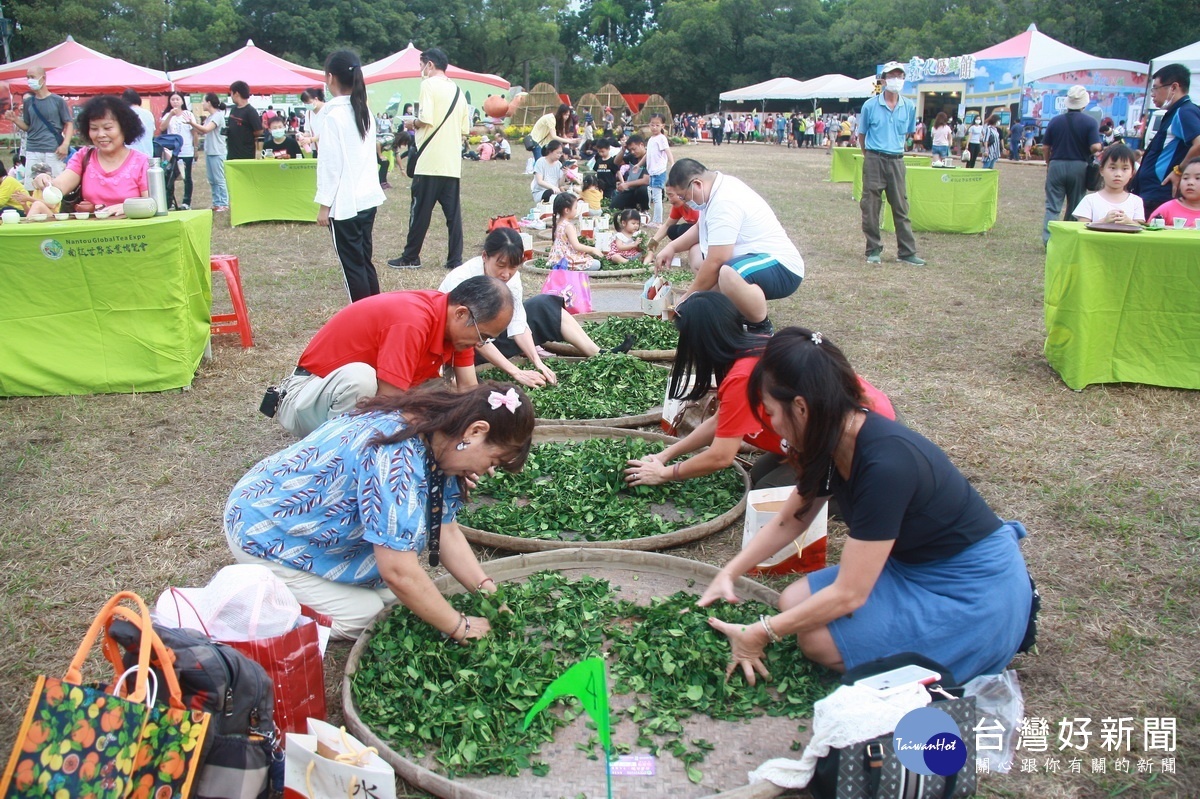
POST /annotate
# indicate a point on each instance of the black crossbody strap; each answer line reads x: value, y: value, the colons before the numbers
x: 449, y: 111
x: 57, y: 133
x: 433, y: 525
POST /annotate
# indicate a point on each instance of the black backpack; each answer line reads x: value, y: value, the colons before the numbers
x: 238, y: 750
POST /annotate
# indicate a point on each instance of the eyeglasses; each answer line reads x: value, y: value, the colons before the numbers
x: 1160, y: 87
x: 483, y: 342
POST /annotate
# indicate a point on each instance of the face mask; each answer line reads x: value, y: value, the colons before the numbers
x: 309, y: 106
x: 35, y: 85
x: 278, y: 134
x: 894, y: 85
x: 695, y: 206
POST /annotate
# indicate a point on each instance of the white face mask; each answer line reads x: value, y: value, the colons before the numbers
x: 278, y: 134
x: 35, y: 85
x: 894, y: 85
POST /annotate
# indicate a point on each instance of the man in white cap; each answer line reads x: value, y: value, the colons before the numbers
x: 886, y: 120
x: 1070, y: 141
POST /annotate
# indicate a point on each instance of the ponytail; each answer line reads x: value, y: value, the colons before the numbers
x: 562, y: 202
x: 212, y: 99
x: 346, y: 69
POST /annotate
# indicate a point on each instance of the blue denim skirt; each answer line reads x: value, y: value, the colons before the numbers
x: 968, y: 612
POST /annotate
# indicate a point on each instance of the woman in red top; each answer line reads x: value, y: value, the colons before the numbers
x: 714, y: 347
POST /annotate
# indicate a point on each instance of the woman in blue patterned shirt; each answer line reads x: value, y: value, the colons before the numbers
x: 343, y: 515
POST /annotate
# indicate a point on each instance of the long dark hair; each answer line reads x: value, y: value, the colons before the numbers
x: 799, y: 362
x: 562, y: 201
x: 435, y: 408
x: 346, y: 69
x: 183, y: 100
x: 562, y: 118
x: 711, y: 338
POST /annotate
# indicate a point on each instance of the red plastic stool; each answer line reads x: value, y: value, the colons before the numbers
x: 238, y: 321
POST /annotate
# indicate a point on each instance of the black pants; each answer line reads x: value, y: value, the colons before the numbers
x: 184, y: 167
x: 427, y: 191
x: 638, y: 198
x: 974, y: 150
x: 383, y: 170
x: 677, y: 230
x: 352, y: 241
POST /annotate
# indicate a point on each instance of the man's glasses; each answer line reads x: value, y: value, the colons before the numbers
x: 483, y: 342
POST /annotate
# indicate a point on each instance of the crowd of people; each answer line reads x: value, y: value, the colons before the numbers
x: 386, y: 450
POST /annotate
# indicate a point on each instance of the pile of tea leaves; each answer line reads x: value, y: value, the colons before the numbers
x: 604, y: 386
x: 465, y: 705
x: 649, y: 332
x: 576, y: 491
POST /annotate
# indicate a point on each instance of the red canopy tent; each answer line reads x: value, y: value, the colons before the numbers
x: 56, y: 56
x: 263, y: 72
x: 407, y: 64
x: 99, y: 75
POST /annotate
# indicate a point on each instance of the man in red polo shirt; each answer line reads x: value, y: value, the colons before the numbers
x: 389, y: 343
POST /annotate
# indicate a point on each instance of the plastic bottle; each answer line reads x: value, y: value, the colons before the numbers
x: 157, y: 183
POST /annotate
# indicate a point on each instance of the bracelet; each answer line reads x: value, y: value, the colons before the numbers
x: 675, y: 471
x: 771, y: 636
x: 1177, y: 170
x: 484, y: 580
x: 461, y: 620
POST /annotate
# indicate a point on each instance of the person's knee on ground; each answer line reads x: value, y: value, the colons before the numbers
x: 817, y: 645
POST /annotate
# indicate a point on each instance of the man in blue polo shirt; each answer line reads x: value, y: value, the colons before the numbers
x: 886, y: 120
x: 1177, y: 140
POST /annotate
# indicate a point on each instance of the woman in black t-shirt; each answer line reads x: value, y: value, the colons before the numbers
x: 927, y: 567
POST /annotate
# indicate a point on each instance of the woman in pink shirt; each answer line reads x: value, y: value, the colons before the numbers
x: 110, y: 171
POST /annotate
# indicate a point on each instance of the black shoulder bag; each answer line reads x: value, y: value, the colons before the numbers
x: 75, y: 195
x: 414, y: 152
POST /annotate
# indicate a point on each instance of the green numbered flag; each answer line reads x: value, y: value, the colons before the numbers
x: 587, y: 680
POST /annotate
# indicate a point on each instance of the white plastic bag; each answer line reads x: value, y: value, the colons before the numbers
x: 1000, y: 706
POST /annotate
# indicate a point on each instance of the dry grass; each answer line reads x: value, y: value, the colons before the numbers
x: 126, y: 492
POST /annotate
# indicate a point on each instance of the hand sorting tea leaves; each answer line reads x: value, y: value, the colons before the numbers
x: 465, y: 705
x: 577, y: 491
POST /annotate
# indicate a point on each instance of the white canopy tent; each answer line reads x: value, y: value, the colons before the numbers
x: 773, y: 89
x: 1188, y: 56
x: 836, y: 86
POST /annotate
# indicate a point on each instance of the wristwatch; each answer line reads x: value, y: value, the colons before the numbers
x: 1177, y: 170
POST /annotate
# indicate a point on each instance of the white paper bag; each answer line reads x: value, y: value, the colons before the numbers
x: 357, y: 770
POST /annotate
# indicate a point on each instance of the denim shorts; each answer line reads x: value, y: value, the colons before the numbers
x: 941, y: 149
x: 658, y: 181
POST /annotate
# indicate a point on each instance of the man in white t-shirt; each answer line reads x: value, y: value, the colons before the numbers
x: 747, y: 255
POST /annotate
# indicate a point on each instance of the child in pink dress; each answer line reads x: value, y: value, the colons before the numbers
x: 625, y: 247
x: 1187, y: 206
x: 579, y: 256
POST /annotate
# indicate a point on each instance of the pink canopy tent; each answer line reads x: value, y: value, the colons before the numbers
x: 99, y: 75
x: 407, y: 64
x: 56, y: 56
x: 265, y: 73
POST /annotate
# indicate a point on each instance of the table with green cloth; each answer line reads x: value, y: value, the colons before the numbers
x: 841, y: 167
x: 1123, y: 307
x: 858, y: 158
x: 104, y: 305
x: 946, y: 200
x: 270, y: 190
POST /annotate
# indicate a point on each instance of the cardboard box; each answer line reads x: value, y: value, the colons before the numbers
x: 805, y: 554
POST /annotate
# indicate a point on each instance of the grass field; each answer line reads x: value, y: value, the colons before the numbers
x: 126, y: 492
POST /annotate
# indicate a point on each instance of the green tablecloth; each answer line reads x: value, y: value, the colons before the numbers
x: 841, y: 167
x: 1123, y: 307
x: 909, y: 161
x: 948, y: 200
x: 104, y: 306
x: 261, y: 191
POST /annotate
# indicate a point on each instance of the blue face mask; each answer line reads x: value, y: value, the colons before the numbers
x: 695, y: 206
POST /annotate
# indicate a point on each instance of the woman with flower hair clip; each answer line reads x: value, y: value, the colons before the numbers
x: 927, y: 567
x: 343, y: 515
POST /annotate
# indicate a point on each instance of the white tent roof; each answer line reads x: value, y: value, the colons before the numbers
x: 1046, y: 56
x: 773, y: 89
x: 834, y: 86
x: 1188, y: 56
